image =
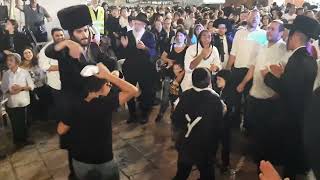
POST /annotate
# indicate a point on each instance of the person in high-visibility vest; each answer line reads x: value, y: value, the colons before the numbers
x: 98, y: 16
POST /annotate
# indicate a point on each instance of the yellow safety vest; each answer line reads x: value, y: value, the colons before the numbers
x: 98, y: 21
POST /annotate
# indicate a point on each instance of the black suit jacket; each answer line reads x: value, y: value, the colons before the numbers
x: 295, y: 88
x: 218, y: 43
x: 139, y: 62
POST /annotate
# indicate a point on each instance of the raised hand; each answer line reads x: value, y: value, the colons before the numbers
x: 277, y: 70
x: 75, y: 49
x: 141, y: 45
x: 104, y: 72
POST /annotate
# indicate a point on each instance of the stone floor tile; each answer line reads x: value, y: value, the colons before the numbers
x: 118, y: 143
x: 55, y: 160
x: 6, y: 171
x: 140, y: 166
x: 33, y: 171
x: 25, y: 157
x: 166, y: 173
x: 123, y: 176
x: 44, y: 146
x: 61, y: 174
x: 164, y: 159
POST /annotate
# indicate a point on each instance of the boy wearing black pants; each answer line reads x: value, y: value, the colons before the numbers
x: 223, y: 83
x: 198, y: 119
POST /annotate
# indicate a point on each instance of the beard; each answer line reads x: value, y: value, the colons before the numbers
x: 83, y: 42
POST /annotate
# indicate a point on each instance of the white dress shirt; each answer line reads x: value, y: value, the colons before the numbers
x: 317, y: 47
x: 123, y: 22
x: 226, y: 51
x: 317, y: 80
x: 267, y: 56
x: 53, y: 77
x: 190, y: 56
x: 246, y: 45
x: 22, y: 78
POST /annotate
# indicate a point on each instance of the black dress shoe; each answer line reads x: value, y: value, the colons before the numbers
x: 132, y: 119
x: 2, y: 156
x: 144, y: 120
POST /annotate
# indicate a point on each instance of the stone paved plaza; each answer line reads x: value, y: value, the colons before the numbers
x: 142, y: 152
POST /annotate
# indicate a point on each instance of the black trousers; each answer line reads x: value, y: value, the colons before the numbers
x: 54, y: 104
x: 237, y: 76
x: 225, y: 140
x: 147, y: 96
x: 205, y: 167
x: 40, y: 103
x: 18, y: 118
x: 265, y: 129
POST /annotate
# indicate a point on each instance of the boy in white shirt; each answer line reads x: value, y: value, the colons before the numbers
x: 17, y: 83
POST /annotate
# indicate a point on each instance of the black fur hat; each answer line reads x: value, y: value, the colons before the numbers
x: 74, y: 17
x: 306, y: 25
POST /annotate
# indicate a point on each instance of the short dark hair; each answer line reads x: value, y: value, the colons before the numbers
x: 92, y: 84
x: 201, y: 78
x: 14, y: 23
x: 303, y: 38
x: 182, y: 31
x: 55, y: 30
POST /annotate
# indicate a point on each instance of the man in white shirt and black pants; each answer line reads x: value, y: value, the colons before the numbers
x: 245, y: 47
x: 50, y: 66
x: 263, y: 103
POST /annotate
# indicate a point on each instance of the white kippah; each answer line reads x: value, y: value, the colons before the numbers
x: 89, y: 70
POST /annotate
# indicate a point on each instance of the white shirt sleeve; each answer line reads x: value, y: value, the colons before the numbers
x: 188, y: 58
x: 235, y: 45
x: 44, y: 61
x: 253, y: 60
x: 285, y: 58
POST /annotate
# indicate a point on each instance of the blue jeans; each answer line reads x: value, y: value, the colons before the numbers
x: 105, y: 171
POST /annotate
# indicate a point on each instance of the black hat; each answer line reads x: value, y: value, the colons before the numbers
x: 219, y: 21
x: 142, y: 17
x: 74, y: 17
x: 225, y: 74
x: 306, y: 25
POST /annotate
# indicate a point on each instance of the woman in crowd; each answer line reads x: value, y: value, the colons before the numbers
x: 265, y: 20
x: 17, y: 83
x: 13, y: 41
x: 202, y: 54
x: 211, y: 27
x: 173, y: 55
x: 197, y: 30
x: 90, y: 124
x: 40, y: 95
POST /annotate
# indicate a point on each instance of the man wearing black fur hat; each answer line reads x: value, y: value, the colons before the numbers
x: 294, y: 84
x: 72, y: 55
x: 139, y: 48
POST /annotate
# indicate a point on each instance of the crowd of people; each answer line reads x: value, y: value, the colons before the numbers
x: 220, y: 68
